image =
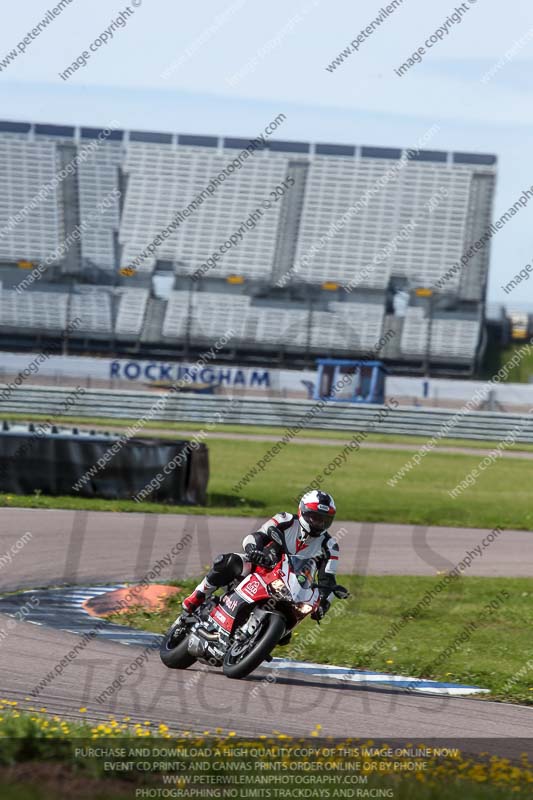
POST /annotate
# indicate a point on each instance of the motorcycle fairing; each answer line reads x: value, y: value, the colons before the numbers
x: 225, y: 612
x: 252, y: 589
x: 222, y: 618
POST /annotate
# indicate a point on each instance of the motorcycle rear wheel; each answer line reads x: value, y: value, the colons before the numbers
x: 273, y: 628
x: 173, y: 651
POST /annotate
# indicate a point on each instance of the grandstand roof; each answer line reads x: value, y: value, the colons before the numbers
x: 275, y: 145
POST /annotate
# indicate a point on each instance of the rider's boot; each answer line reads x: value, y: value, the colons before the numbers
x: 225, y: 568
x: 198, y: 596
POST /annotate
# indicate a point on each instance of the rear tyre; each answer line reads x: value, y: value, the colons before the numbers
x: 239, y: 662
x: 173, y: 650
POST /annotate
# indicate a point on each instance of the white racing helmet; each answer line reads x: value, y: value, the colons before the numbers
x: 316, y: 512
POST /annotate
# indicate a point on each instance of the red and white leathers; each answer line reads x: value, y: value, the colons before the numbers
x: 323, y: 549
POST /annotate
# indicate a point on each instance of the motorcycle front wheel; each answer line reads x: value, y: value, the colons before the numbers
x: 243, y: 657
x: 173, y: 651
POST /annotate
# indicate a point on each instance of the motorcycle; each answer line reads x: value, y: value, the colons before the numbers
x: 239, y: 629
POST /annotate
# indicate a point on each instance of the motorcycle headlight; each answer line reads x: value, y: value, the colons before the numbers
x: 278, y: 588
x: 305, y: 608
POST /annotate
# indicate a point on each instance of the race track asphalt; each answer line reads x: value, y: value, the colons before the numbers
x: 100, y: 547
x: 75, y: 547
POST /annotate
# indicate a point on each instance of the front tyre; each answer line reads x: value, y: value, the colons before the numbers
x: 243, y: 657
x: 173, y: 651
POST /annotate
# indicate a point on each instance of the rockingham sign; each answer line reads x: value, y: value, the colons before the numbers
x: 256, y: 381
x: 141, y: 373
x: 160, y: 371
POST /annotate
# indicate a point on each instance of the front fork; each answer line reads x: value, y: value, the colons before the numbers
x: 251, y: 625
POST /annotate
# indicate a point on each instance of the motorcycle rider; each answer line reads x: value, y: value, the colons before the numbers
x: 305, y: 536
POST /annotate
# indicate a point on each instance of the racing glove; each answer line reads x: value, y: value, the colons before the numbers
x: 261, y: 558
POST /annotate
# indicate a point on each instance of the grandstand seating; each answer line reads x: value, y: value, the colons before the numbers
x: 357, y: 326
x: 212, y: 315
x: 315, y: 233
x: 414, y: 332
x: 175, y: 320
x: 33, y: 310
x: 423, y: 245
x: 93, y: 307
x: 131, y: 311
x: 93, y: 310
x: 282, y: 327
x: 344, y: 326
x: 162, y: 181
x: 27, y: 170
x: 98, y: 177
x: 454, y: 337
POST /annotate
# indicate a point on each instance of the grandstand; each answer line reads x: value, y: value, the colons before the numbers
x: 315, y: 271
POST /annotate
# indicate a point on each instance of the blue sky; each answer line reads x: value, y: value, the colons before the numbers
x: 229, y: 67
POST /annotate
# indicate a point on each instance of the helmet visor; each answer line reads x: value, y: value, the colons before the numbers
x: 318, y: 522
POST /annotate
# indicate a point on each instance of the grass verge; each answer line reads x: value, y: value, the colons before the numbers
x: 490, y: 635
x: 500, y: 497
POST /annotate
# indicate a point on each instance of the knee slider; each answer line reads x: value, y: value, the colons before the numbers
x: 235, y: 565
x: 219, y: 562
x: 225, y: 568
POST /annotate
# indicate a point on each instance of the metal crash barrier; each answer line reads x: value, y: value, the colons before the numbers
x: 455, y: 423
